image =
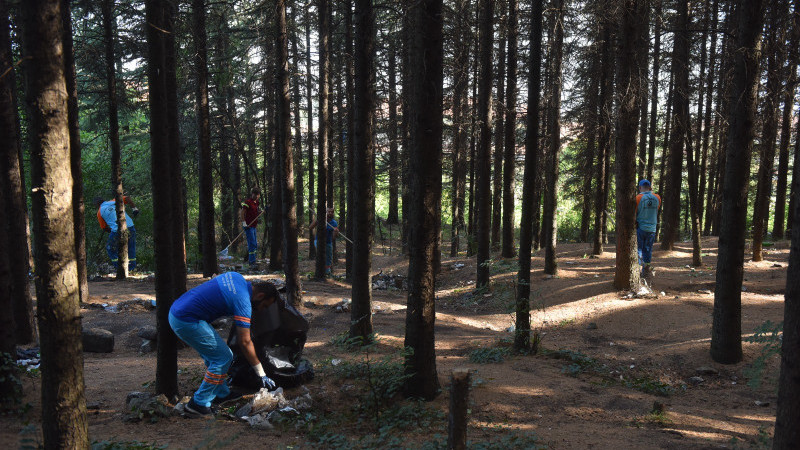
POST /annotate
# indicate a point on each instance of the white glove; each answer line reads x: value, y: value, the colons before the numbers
x: 244, y: 224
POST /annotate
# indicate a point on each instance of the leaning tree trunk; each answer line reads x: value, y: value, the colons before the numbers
x: 726, y: 334
x: 77, y: 171
x: 631, y: 84
x: 523, y: 307
x: 363, y: 170
x: 482, y: 164
x: 64, y: 422
x: 426, y: 190
x: 16, y: 211
x: 289, y: 212
x: 113, y: 138
x: 206, y: 190
x: 510, y: 156
x: 324, y: 124
x: 549, y: 219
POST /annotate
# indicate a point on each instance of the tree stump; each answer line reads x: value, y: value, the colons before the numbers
x: 459, y: 404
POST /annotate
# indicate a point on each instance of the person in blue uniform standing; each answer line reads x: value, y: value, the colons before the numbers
x: 647, y: 204
x: 190, y: 317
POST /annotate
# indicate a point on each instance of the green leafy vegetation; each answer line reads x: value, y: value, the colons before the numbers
x: 770, y: 336
x: 489, y: 355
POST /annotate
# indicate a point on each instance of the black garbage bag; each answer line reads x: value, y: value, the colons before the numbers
x: 279, y: 334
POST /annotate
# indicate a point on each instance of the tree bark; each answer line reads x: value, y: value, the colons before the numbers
x: 704, y: 179
x: 499, y: 129
x: 778, y: 225
x: 107, y: 7
x: 604, y: 136
x: 289, y: 212
x: 774, y: 51
x: 460, y: 113
x: 64, y: 423
x: 163, y: 210
x: 348, y: 38
x: 726, y: 334
x: 394, y: 162
x: 324, y: 124
x: 549, y: 218
x: 206, y: 190
x: 523, y: 319
x: 13, y: 182
x: 651, y: 144
x: 631, y: 84
x: 483, y: 161
x: 77, y: 183
x: 297, y: 140
x: 510, y: 156
x: 426, y: 189
x: 312, y: 253
x: 458, y: 418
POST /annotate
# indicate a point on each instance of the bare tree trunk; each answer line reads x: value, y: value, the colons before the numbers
x: 297, y: 142
x: 206, y: 191
x: 348, y: 37
x: 651, y: 145
x: 631, y: 85
x: 363, y: 170
x: 113, y: 138
x: 324, y: 124
x: 460, y: 113
x: 482, y: 162
x: 604, y: 136
x: 499, y: 128
x: 726, y: 334
x: 549, y: 219
x: 394, y: 162
x: 426, y: 190
x: 312, y: 253
x: 14, y: 191
x: 707, y: 129
x: 77, y: 182
x: 163, y: 210
x: 510, y: 157
x: 788, y: 108
x: 64, y: 422
x: 523, y: 318
x: 289, y: 212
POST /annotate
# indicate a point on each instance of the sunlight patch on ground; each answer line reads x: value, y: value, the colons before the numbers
x: 528, y: 391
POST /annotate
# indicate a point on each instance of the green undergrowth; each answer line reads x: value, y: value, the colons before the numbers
x: 770, y: 336
x: 581, y: 364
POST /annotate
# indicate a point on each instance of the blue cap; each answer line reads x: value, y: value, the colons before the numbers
x: 644, y: 183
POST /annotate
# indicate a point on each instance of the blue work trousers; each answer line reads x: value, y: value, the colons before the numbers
x: 113, y: 250
x: 644, y: 245
x: 252, y: 244
x: 216, y: 354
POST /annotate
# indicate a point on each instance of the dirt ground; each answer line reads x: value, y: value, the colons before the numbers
x: 606, y: 360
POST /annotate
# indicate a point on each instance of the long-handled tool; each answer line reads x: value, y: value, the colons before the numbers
x: 341, y: 234
x: 224, y: 252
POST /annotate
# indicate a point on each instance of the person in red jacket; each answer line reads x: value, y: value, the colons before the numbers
x: 250, y: 213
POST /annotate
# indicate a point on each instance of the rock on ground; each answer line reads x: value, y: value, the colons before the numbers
x: 98, y: 340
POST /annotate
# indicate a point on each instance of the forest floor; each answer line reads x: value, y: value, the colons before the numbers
x: 607, y: 361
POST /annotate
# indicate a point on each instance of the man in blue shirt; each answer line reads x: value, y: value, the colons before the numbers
x: 190, y: 317
x: 647, y: 204
x: 107, y: 218
x: 331, y: 233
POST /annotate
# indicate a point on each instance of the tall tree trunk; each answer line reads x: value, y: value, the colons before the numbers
x: 549, y: 219
x: 348, y: 37
x: 482, y: 163
x: 631, y: 83
x: 471, y: 238
x: 206, y: 190
x: 678, y: 132
x: 324, y: 124
x: 590, y: 128
x: 641, y: 162
x: 363, y: 170
x: 23, y: 328
x: 604, y: 136
x: 786, y: 134
x: 113, y: 138
x: 523, y: 307
x: 297, y: 142
x: 497, y: 180
x: 651, y: 144
x: 14, y: 191
x: 510, y: 156
x: 726, y: 334
x: 394, y: 163
x: 312, y: 253
x: 787, y: 433
x: 8, y: 135
x: 289, y: 212
x: 426, y: 190
x: 64, y: 422
x: 775, y: 56
x: 793, y: 193
x: 460, y: 113
x: 707, y: 120
x: 163, y: 210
